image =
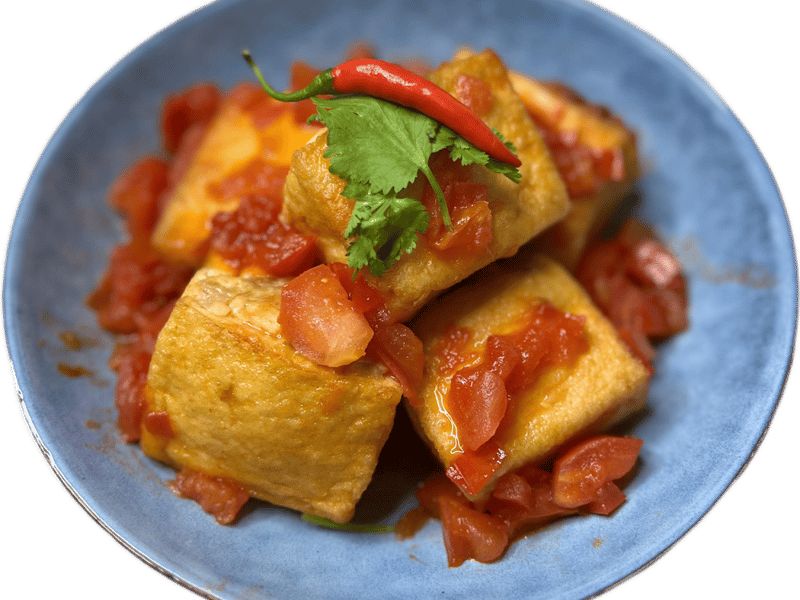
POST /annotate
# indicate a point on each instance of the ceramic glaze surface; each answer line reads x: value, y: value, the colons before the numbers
x: 706, y: 190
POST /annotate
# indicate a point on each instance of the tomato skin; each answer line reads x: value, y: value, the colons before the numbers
x: 320, y: 321
x: 223, y: 498
x: 581, y: 471
x: 469, y: 533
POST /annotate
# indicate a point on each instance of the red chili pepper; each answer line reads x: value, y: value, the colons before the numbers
x: 391, y: 82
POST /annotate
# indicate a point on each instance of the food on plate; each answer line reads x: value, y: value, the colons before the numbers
x: 492, y: 216
x: 227, y: 381
x: 595, y: 154
x: 287, y: 280
x: 520, y: 361
x: 247, y: 145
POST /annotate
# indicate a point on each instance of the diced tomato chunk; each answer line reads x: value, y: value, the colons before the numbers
x: 581, y: 471
x: 524, y: 498
x: 471, y: 234
x: 158, y: 423
x: 136, y: 194
x: 256, y: 177
x: 476, y: 402
x: 320, y: 321
x: 469, y: 533
x: 639, y: 285
x: 436, y: 486
x: 197, y: 104
x: 481, y: 394
x: 471, y: 470
x: 468, y: 206
x: 582, y: 168
x: 136, y: 288
x: 366, y: 298
x: 609, y: 498
x: 252, y: 235
x: 400, y: 350
x: 222, y: 498
x: 131, y: 363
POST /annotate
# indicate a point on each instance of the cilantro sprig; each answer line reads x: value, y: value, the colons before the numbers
x: 379, y: 148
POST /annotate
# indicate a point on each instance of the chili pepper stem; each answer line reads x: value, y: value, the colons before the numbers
x: 321, y: 84
x: 437, y: 190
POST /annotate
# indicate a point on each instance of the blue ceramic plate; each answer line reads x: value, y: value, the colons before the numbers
x: 706, y: 189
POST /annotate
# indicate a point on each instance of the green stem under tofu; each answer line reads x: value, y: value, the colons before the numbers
x: 356, y: 528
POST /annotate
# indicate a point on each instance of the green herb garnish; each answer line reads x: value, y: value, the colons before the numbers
x: 379, y: 148
x: 354, y: 527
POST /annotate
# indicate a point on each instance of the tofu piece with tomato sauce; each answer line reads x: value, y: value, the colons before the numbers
x: 594, y: 152
x: 493, y: 217
x: 246, y: 149
x: 519, y: 362
x: 243, y: 405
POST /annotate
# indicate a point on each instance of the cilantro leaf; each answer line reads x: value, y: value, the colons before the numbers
x: 375, y: 141
x: 379, y: 148
x: 385, y: 225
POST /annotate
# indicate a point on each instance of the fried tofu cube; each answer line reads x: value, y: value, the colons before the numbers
x: 249, y: 132
x: 243, y: 405
x: 313, y: 203
x: 561, y: 110
x: 603, y: 385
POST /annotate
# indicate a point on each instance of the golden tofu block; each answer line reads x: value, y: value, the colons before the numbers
x: 603, y: 385
x: 245, y: 406
x: 593, y: 127
x: 232, y: 143
x: 313, y: 203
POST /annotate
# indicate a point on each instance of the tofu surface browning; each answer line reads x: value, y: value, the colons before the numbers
x: 594, y: 127
x: 313, y: 203
x: 232, y: 142
x: 245, y: 406
x: 605, y: 384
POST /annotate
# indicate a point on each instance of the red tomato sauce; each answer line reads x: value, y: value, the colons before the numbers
x: 222, y: 498
x: 482, y: 395
x: 583, y: 168
x: 638, y: 283
x: 582, y: 481
x: 468, y: 206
